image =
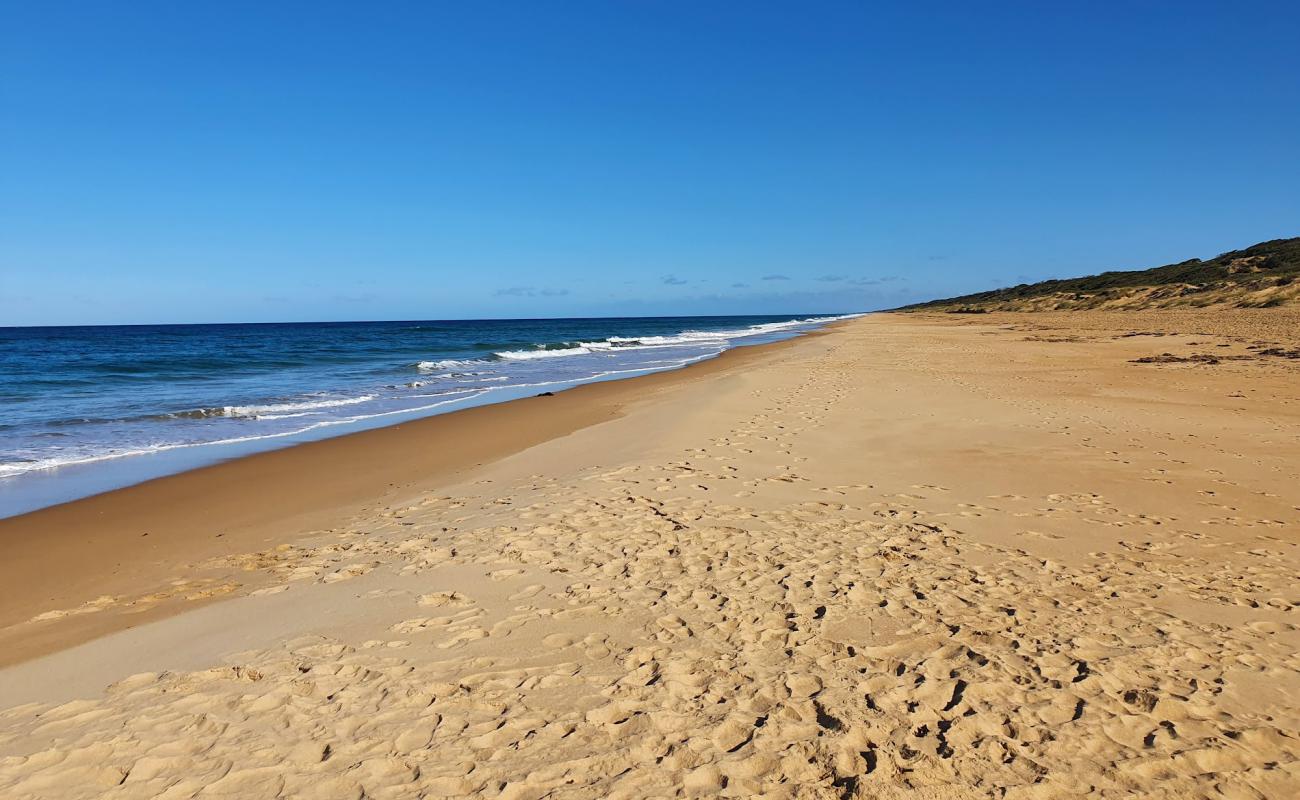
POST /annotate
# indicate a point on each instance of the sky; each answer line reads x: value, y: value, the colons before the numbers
x: 232, y: 162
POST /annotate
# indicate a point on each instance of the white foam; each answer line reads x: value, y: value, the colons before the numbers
x: 449, y: 363
x: 618, y: 343
x: 529, y: 355
x: 621, y: 343
x: 12, y: 469
x: 698, y: 337
x: 288, y: 409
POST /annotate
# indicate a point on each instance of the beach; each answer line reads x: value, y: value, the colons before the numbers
x: 924, y: 555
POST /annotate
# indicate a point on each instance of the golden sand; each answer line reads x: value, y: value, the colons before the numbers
x: 918, y: 556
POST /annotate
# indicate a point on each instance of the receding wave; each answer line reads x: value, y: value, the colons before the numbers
x: 21, y: 465
x: 542, y: 352
x: 449, y: 364
x: 272, y: 410
x: 619, y: 343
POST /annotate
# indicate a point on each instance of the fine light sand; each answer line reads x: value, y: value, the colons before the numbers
x: 918, y: 556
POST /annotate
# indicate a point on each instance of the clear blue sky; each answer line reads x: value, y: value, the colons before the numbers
x: 188, y: 162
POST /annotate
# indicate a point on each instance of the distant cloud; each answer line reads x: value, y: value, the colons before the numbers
x: 740, y: 285
x: 673, y: 280
x: 529, y: 291
x: 776, y: 277
x: 831, y: 278
x: 875, y: 281
x: 937, y: 258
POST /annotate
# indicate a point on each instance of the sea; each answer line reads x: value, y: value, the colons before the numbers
x: 88, y: 409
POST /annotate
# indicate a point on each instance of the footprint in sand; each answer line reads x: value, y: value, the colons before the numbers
x: 527, y: 592
x: 463, y: 638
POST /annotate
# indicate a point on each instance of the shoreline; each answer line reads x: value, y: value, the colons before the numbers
x: 146, y: 533
x: 389, y: 383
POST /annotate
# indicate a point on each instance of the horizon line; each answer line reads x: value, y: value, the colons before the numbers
x: 429, y: 319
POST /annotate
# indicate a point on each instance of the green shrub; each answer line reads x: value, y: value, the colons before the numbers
x: 1278, y: 258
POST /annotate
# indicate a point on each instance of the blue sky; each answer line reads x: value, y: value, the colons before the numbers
x: 187, y: 162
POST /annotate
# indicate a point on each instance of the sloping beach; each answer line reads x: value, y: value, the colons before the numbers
x: 921, y: 555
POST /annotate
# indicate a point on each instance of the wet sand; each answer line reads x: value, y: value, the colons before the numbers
x: 1035, y: 555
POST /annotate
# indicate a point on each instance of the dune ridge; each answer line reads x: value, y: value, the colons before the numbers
x: 1264, y: 275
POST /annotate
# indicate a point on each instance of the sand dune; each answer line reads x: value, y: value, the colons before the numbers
x: 914, y: 557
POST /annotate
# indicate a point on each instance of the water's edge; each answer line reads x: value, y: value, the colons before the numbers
x: 40, y: 489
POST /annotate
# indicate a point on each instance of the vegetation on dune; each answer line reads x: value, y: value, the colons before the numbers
x: 1261, y: 276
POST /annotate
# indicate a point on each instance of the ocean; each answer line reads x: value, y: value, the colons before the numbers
x: 88, y: 409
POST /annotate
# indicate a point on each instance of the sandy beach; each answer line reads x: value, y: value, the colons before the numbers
x: 913, y: 555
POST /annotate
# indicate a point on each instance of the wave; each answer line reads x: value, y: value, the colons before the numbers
x: 307, y: 405
x: 542, y: 352
x: 614, y: 343
x: 698, y: 337
x: 619, y: 343
x: 449, y: 363
x: 270, y: 410
x: 10, y: 469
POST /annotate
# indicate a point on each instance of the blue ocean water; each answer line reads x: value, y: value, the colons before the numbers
x: 85, y: 409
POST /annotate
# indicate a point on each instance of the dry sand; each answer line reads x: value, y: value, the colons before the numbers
x: 922, y: 556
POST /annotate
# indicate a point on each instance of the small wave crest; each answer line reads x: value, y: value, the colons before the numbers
x: 618, y: 343
x: 20, y: 465
x: 529, y: 355
x: 271, y: 410
x: 448, y: 364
